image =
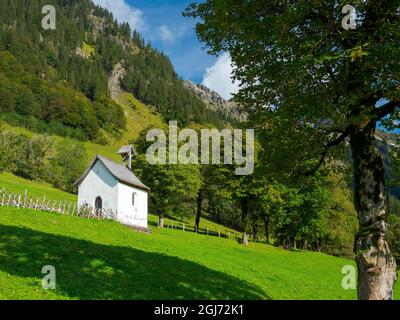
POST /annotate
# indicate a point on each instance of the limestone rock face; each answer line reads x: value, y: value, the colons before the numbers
x: 98, y: 24
x: 114, y: 84
x: 214, y: 101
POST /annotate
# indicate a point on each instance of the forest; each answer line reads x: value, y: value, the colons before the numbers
x: 67, y: 93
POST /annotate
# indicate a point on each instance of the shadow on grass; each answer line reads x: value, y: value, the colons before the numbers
x: 86, y: 270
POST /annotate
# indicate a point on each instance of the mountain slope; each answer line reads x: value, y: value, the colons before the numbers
x: 215, y: 102
x: 138, y: 118
x: 62, y: 80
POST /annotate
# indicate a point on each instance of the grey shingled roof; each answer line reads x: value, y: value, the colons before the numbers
x: 119, y: 171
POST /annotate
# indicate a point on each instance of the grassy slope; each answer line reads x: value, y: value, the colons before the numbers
x: 18, y: 185
x: 139, y: 117
x: 104, y: 260
x: 87, y: 49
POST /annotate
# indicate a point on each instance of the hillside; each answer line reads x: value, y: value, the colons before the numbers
x: 215, y: 102
x: 63, y: 81
x: 11, y: 183
x: 105, y: 260
x: 138, y: 118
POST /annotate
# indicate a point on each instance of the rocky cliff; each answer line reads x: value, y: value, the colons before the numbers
x: 214, y: 101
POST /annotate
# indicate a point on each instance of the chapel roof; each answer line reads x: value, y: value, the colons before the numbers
x: 119, y: 171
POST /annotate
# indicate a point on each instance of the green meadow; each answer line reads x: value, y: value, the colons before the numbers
x: 97, y: 259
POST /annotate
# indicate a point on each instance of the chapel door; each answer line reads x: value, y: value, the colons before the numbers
x: 98, y: 204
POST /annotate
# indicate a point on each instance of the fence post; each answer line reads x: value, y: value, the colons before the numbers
x: 25, y: 197
x: 183, y: 227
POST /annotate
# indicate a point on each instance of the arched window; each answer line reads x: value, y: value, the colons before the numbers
x: 98, y: 204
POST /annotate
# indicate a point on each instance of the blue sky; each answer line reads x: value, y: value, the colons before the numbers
x: 161, y: 22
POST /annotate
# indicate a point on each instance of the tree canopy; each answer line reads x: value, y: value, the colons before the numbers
x: 310, y: 86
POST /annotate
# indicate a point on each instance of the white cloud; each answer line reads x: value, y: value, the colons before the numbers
x: 124, y: 12
x: 219, y: 77
x: 167, y: 36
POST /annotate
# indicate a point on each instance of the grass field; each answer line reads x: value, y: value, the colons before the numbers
x: 15, y: 184
x: 104, y: 260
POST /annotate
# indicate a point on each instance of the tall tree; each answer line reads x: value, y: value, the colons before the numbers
x: 174, y: 188
x: 316, y: 85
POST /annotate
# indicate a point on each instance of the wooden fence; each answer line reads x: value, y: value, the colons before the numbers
x: 211, y: 231
x: 26, y: 201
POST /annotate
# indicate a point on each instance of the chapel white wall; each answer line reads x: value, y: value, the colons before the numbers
x: 132, y: 215
x: 99, y: 183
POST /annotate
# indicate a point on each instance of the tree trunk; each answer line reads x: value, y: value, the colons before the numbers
x: 319, y: 244
x: 376, y: 265
x: 305, y: 244
x: 266, y: 222
x: 255, y: 230
x: 199, y: 209
x: 245, y: 210
x: 161, y: 220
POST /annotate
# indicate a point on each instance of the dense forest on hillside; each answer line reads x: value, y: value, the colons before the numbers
x: 57, y: 80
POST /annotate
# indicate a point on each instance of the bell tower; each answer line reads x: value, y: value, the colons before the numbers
x: 127, y: 153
